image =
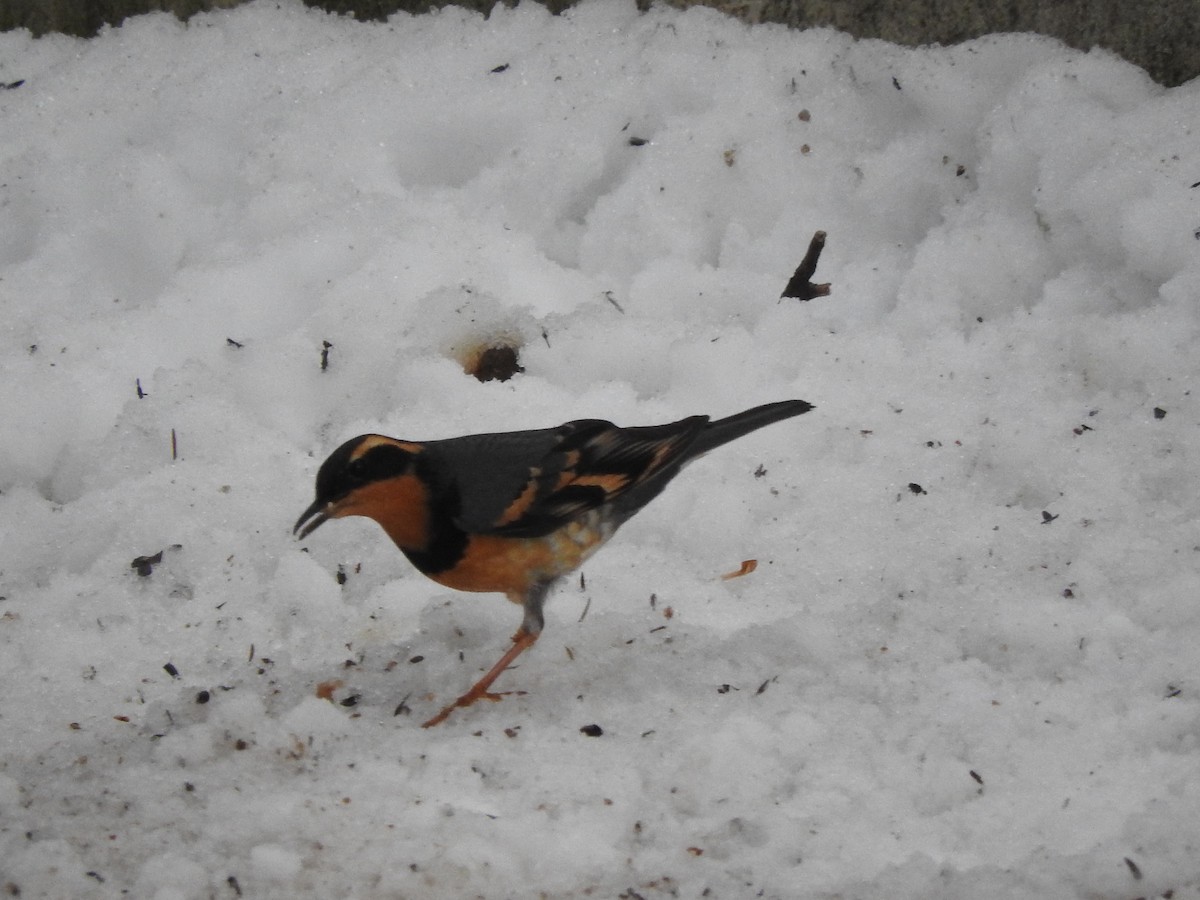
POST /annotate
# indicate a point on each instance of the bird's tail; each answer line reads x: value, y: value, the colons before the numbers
x: 722, y: 431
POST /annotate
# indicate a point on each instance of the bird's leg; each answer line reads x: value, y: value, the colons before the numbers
x: 526, y: 636
x: 522, y: 640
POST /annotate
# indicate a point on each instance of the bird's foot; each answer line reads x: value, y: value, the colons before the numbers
x: 479, y: 691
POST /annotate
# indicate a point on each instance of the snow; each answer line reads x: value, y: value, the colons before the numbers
x: 966, y: 663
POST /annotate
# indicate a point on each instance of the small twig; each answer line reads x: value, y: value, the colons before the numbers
x: 801, y: 286
x: 608, y: 295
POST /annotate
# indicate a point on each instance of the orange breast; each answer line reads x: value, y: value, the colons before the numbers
x: 513, y: 565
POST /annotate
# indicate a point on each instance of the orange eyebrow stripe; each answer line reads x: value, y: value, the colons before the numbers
x: 371, y: 441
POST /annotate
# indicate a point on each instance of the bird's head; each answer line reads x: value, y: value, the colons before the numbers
x: 375, y: 476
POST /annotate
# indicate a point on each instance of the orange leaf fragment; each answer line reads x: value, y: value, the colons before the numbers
x: 748, y: 566
x: 326, y: 688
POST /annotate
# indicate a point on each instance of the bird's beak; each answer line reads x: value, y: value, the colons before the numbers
x: 318, y: 513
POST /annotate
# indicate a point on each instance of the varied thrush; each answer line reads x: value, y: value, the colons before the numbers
x: 516, y: 511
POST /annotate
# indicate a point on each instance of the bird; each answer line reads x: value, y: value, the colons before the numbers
x: 514, y: 512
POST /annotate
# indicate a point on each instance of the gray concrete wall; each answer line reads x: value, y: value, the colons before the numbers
x: 1161, y: 36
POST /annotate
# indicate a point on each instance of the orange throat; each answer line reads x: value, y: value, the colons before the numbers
x: 400, y: 505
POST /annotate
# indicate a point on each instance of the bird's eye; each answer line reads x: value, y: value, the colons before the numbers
x: 377, y: 463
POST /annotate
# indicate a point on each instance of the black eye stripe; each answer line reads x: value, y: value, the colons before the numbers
x: 343, y: 472
x: 383, y: 461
